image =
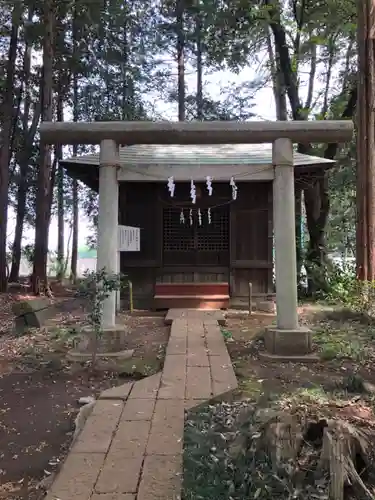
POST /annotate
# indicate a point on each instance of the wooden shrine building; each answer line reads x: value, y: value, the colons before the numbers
x: 201, y: 254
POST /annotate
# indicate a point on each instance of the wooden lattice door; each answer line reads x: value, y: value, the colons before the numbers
x: 205, y: 244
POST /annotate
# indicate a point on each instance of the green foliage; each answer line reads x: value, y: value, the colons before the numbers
x: 354, y: 383
x: 96, y: 287
x: 28, y: 253
x: 345, y: 289
x: 56, y: 267
x: 226, y: 334
x: 341, y: 343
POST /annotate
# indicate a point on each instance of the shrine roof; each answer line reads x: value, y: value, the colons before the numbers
x: 174, y: 159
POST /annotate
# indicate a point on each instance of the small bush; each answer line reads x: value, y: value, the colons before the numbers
x: 354, y: 383
x: 97, y: 286
x: 345, y: 289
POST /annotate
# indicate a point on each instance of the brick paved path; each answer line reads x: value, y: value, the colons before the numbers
x: 131, y: 445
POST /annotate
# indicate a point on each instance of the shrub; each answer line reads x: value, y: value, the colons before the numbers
x: 97, y: 286
x: 345, y: 289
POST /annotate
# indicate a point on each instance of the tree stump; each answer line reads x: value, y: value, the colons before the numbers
x: 341, y: 450
x: 345, y: 454
x: 281, y: 440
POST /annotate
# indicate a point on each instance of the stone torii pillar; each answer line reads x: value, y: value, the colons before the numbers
x: 107, y: 245
x: 288, y: 338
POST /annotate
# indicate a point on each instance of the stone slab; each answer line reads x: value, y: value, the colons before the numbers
x: 216, y: 347
x: 174, y: 377
x: 197, y: 357
x: 31, y: 305
x: 178, y: 328
x: 223, y: 376
x: 177, y: 345
x: 131, y: 439
x: 161, y: 478
x: 32, y: 313
x: 77, y: 477
x: 168, y: 408
x: 113, y: 496
x: 96, y: 435
x: 138, y: 409
x: 196, y: 341
x: 120, y: 474
x: 195, y: 327
x: 120, y: 392
x: 198, y: 383
x: 201, y: 314
x: 212, y: 329
x: 112, y: 409
x: 166, y: 437
x: 146, y: 388
x: 214, y: 340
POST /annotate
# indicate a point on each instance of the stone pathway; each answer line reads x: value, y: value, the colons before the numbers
x: 131, y: 445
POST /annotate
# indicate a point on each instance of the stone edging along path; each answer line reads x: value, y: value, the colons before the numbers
x: 131, y: 445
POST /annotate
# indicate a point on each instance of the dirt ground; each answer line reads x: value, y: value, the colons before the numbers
x: 345, y: 343
x: 40, y: 388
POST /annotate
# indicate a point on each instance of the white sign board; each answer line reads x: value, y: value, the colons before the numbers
x: 129, y: 239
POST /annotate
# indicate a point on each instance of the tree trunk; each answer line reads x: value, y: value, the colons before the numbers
x: 198, y: 30
x: 6, y: 118
x: 23, y: 185
x: 17, y: 242
x: 44, y: 174
x: 365, y: 252
x: 73, y: 265
x: 23, y: 159
x: 278, y: 86
x: 317, y: 210
x: 60, y: 192
x: 127, y: 106
x: 299, y: 229
x: 75, y: 200
x: 67, y: 257
x: 180, y: 8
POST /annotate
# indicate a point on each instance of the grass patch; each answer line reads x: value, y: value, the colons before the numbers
x: 138, y: 367
x: 250, y: 388
x: 226, y: 334
x: 349, y: 340
x: 311, y: 396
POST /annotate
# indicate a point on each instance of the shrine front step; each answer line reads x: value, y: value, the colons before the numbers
x: 205, y: 315
x: 205, y: 302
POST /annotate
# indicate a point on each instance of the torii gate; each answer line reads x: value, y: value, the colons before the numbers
x: 288, y: 337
